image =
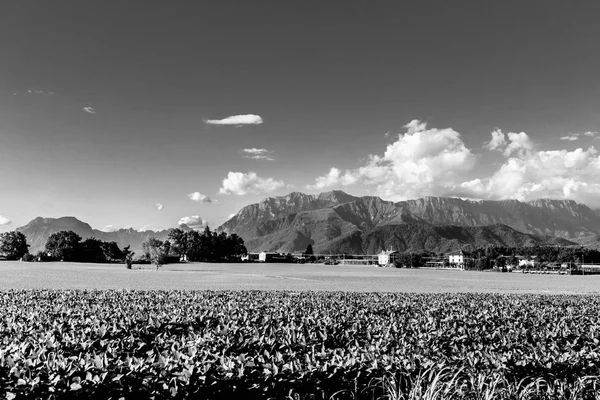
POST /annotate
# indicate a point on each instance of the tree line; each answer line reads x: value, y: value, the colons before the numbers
x: 208, y: 246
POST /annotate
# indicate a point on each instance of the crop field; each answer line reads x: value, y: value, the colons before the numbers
x: 299, y: 277
x: 297, y: 345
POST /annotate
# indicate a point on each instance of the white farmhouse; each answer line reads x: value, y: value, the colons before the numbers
x: 387, y: 257
x: 529, y: 262
x: 457, y: 259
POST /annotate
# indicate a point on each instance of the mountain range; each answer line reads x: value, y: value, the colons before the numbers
x: 335, y: 222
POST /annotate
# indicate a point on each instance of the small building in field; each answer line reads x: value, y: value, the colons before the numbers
x: 250, y: 257
x: 528, y: 262
x: 271, y: 256
x: 458, y: 259
x: 387, y: 257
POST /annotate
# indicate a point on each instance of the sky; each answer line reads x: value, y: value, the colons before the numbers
x: 150, y: 113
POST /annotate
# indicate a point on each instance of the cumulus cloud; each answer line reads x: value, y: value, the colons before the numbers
x: 237, y: 120
x: 334, y: 177
x: 591, y: 133
x: 435, y: 162
x: 258, y: 154
x: 200, y: 198
x: 239, y: 183
x: 559, y: 174
x: 193, y: 221
x: 4, y: 221
x: 517, y: 143
x: 89, y: 110
x: 159, y: 206
x: 420, y: 162
x: 498, y: 141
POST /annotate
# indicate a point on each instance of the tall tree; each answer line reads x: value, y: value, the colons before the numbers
x: 128, y: 256
x: 154, y: 251
x: 179, y: 241
x: 112, y: 252
x: 13, y: 245
x: 309, y: 250
x: 90, y: 250
x: 63, y: 245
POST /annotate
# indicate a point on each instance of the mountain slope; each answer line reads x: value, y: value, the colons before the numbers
x: 290, y: 223
x: 244, y: 223
x: 39, y: 230
x: 446, y: 238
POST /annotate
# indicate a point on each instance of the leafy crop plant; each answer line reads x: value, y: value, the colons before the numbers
x: 297, y: 345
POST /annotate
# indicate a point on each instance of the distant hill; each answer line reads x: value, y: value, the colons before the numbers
x: 39, y: 230
x: 335, y: 220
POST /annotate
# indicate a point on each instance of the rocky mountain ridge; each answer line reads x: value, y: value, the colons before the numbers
x: 290, y: 223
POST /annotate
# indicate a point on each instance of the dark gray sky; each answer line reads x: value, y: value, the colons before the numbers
x: 333, y: 83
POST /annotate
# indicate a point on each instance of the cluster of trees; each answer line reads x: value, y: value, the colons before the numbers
x: 13, y: 245
x: 206, y: 245
x: 545, y: 254
x: 68, y: 246
x: 190, y: 245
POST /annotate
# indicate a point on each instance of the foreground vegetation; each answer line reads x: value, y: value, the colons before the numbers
x: 158, y: 344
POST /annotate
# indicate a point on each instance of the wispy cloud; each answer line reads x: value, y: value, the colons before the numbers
x: 193, y: 221
x: 239, y: 184
x: 33, y: 92
x: 89, y: 110
x: 201, y: 198
x: 258, y: 154
x: 237, y: 120
x: 159, y: 206
x: 570, y: 137
x: 4, y: 221
x: 575, y: 136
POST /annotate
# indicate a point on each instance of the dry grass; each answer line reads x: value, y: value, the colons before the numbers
x: 297, y: 277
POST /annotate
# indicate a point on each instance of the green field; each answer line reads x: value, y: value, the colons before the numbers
x: 301, y: 277
x: 298, y: 345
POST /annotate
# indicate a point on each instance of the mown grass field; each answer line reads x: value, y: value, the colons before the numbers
x: 302, y: 277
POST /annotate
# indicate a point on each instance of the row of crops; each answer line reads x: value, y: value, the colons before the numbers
x: 309, y: 345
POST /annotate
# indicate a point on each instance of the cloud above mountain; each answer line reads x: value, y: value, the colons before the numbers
x: 528, y: 173
x: 200, y: 198
x: 193, y: 221
x: 239, y: 183
x: 237, y: 120
x: 436, y: 162
x: 4, y: 221
x: 420, y: 162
